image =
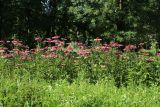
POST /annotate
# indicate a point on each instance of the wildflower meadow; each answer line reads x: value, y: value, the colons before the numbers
x: 60, y: 74
x: 79, y: 53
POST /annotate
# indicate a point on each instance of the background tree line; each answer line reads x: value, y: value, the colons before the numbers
x: 129, y: 20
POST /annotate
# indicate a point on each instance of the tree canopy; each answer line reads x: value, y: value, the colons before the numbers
x: 79, y: 19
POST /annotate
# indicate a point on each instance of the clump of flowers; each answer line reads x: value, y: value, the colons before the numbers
x: 55, y: 47
x: 97, y: 39
x: 83, y: 52
x: 115, y: 44
x: 39, y: 39
x: 158, y: 54
x: 130, y: 47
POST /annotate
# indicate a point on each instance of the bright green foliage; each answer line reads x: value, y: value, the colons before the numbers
x: 16, y: 92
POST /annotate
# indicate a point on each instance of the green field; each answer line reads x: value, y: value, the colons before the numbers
x: 74, y: 77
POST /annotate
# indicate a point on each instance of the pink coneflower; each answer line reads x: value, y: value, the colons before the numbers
x: 25, y: 52
x: 115, y: 44
x: 44, y: 41
x: 158, y: 54
x: 41, y: 50
x: 63, y: 39
x: 55, y: 37
x: 17, y: 43
x: 83, y: 52
x: 55, y: 41
x: 97, y: 39
x: 52, y: 55
x: 55, y: 56
x: 39, y: 39
x: 105, y: 47
x: 46, y: 48
x: 80, y: 44
x: 130, y: 47
x: 54, y: 48
x: 48, y: 40
x: 102, y: 48
x: 69, y: 49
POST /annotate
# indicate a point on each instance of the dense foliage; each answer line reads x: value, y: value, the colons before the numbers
x: 79, y: 20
